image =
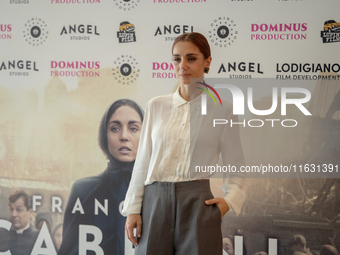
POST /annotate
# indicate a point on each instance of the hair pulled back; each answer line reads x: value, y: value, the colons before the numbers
x: 198, y: 40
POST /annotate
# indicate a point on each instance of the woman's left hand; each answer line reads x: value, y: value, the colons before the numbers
x: 221, y: 204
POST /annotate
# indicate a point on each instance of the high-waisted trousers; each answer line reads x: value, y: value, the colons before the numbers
x: 176, y: 221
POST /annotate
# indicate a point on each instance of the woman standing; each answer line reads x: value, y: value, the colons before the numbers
x: 119, y: 133
x: 180, y: 214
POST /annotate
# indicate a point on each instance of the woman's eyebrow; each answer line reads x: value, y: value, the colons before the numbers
x: 115, y: 122
x: 134, y: 121
x: 119, y: 123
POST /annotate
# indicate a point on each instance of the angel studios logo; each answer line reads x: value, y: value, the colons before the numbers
x: 20, y: 67
x: 126, y: 5
x: 223, y: 32
x: 126, y: 70
x: 35, y: 32
x: 19, y: 1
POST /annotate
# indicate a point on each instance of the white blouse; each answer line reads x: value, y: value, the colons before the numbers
x: 176, y: 138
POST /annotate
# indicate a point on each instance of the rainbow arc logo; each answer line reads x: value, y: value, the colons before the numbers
x: 207, y: 91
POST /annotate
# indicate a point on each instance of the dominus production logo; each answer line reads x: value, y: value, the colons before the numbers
x: 35, y: 32
x: 5, y: 31
x: 126, y: 5
x: 223, y: 32
x: 126, y: 32
x: 126, y: 71
x: 331, y: 31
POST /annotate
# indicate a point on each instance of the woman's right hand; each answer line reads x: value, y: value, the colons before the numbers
x: 132, y: 221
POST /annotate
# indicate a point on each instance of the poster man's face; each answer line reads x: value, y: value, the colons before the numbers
x: 20, y: 216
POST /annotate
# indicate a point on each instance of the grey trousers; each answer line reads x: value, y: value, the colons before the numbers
x: 177, y: 221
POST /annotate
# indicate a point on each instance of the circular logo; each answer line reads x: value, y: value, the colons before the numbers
x: 126, y: 5
x: 223, y: 32
x: 35, y: 32
x: 126, y: 71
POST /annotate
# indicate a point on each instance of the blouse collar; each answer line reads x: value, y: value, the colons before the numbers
x: 178, y: 100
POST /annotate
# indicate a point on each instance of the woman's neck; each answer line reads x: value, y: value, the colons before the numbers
x: 187, y: 92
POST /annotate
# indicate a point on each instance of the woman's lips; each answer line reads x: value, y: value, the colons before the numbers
x: 124, y: 149
x: 184, y: 75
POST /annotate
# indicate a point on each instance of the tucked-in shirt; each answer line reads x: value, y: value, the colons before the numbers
x: 177, y: 140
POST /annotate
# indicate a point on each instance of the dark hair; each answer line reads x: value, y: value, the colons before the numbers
x: 15, y: 195
x: 102, y: 135
x: 44, y: 216
x: 198, y: 40
x: 298, y: 239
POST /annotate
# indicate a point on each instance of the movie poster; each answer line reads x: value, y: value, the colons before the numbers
x: 68, y: 66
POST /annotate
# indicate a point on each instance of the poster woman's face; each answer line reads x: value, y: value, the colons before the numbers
x: 228, y: 246
x: 58, y: 237
x: 188, y: 62
x: 123, y: 131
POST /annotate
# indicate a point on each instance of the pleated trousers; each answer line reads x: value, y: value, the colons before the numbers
x: 176, y: 221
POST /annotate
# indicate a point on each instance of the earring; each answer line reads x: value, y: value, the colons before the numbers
x: 206, y: 70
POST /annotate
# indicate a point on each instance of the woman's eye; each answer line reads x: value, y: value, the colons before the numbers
x: 175, y: 59
x: 134, y: 129
x: 114, y: 129
x: 192, y: 59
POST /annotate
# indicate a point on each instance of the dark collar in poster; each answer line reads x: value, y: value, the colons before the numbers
x: 22, y: 244
x: 115, y: 175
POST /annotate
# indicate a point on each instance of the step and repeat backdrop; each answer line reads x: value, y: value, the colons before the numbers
x: 64, y: 62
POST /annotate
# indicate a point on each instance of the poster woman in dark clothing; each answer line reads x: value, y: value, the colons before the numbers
x: 94, y: 202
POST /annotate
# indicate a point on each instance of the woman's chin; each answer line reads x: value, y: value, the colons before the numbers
x: 187, y: 82
x: 125, y: 158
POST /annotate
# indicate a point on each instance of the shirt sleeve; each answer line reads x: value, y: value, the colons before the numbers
x: 134, y: 195
x: 234, y: 184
